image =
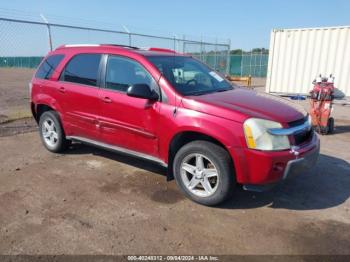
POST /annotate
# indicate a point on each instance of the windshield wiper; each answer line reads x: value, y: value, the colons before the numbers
x: 223, y: 90
x: 204, y: 92
x: 200, y: 93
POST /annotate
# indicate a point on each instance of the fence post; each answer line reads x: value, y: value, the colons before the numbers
x: 261, y: 56
x: 242, y: 56
x: 228, y: 58
x: 48, y: 30
x: 202, y: 55
x: 128, y: 32
x: 183, y: 44
x: 216, y: 54
x: 250, y: 62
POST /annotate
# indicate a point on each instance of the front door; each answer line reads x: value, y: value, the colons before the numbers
x: 126, y: 121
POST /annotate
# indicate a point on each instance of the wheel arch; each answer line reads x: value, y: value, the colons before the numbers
x: 184, y: 137
x: 42, y: 103
x: 39, y: 109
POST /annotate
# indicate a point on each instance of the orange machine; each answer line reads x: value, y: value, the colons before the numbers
x: 321, y: 102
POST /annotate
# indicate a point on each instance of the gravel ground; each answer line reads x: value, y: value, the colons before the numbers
x: 19, y: 126
x: 88, y: 201
x: 14, y: 91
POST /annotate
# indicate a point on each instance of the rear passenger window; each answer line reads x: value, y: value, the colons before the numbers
x: 82, y: 69
x: 47, y: 67
x: 123, y: 72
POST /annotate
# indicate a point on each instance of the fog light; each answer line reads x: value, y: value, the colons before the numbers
x: 278, y: 167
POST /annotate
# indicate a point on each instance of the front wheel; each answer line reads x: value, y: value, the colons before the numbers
x: 204, y: 172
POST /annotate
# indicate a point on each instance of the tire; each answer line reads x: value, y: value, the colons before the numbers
x: 51, y: 132
x: 330, y: 125
x: 193, y: 182
x: 324, y: 130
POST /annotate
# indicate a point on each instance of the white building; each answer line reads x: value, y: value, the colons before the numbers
x: 297, y: 56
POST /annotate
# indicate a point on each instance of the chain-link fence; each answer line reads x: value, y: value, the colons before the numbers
x: 216, y: 56
x: 251, y: 63
x: 23, y: 43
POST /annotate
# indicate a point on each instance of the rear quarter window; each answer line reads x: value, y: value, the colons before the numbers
x: 48, y: 66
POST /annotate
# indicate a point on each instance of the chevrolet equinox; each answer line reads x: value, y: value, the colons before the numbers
x: 170, y: 108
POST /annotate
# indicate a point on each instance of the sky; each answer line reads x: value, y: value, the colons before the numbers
x: 246, y: 23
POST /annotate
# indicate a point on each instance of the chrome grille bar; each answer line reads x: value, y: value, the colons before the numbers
x: 290, y: 131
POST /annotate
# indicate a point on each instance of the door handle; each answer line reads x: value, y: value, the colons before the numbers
x: 61, y: 89
x: 106, y: 99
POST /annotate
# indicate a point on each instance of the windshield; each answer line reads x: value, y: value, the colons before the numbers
x: 189, y: 76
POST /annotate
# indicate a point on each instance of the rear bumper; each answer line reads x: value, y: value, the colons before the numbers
x: 255, y: 167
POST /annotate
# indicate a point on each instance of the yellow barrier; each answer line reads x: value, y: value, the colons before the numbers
x: 246, y: 79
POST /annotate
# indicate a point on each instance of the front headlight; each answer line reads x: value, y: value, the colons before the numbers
x: 257, y: 137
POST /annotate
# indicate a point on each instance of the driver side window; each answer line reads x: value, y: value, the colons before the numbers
x: 122, y: 72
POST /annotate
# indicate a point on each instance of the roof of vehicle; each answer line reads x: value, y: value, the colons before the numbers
x: 149, y: 51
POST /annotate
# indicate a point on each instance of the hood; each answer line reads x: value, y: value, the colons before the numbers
x: 239, y: 104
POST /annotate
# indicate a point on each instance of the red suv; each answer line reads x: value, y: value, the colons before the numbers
x: 172, y: 109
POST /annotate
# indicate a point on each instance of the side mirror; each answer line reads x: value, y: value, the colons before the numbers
x: 142, y: 91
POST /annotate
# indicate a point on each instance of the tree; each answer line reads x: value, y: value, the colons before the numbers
x: 260, y: 50
x: 254, y: 50
x: 236, y: 52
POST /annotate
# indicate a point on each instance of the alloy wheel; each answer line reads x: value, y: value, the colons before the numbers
x: 199, y: 175
x: 49, y: 132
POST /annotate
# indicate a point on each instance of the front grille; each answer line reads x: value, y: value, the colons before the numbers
x: 301, y: 137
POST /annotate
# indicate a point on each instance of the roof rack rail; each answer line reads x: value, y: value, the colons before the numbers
x: 95, y: 45
x: 126, y: 46
x: 78, y: 45
x: 155, y: 49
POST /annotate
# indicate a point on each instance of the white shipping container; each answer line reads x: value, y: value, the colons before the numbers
x: 297, y: 56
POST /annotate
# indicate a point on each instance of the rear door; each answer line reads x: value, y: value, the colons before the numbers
x: 78, y: 86
x: 126, y: 121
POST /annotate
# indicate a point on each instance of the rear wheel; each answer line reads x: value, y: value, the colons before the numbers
x: 204, y: 172
x: 51, y: 132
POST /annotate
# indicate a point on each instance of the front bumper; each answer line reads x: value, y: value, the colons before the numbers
x: 298, y: 165
x: 255, y: 167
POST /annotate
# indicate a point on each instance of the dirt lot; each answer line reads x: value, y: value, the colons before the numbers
x: 14, y: 92
x: 88, y: 201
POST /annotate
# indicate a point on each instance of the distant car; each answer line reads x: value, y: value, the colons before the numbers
x: 170, y: 108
